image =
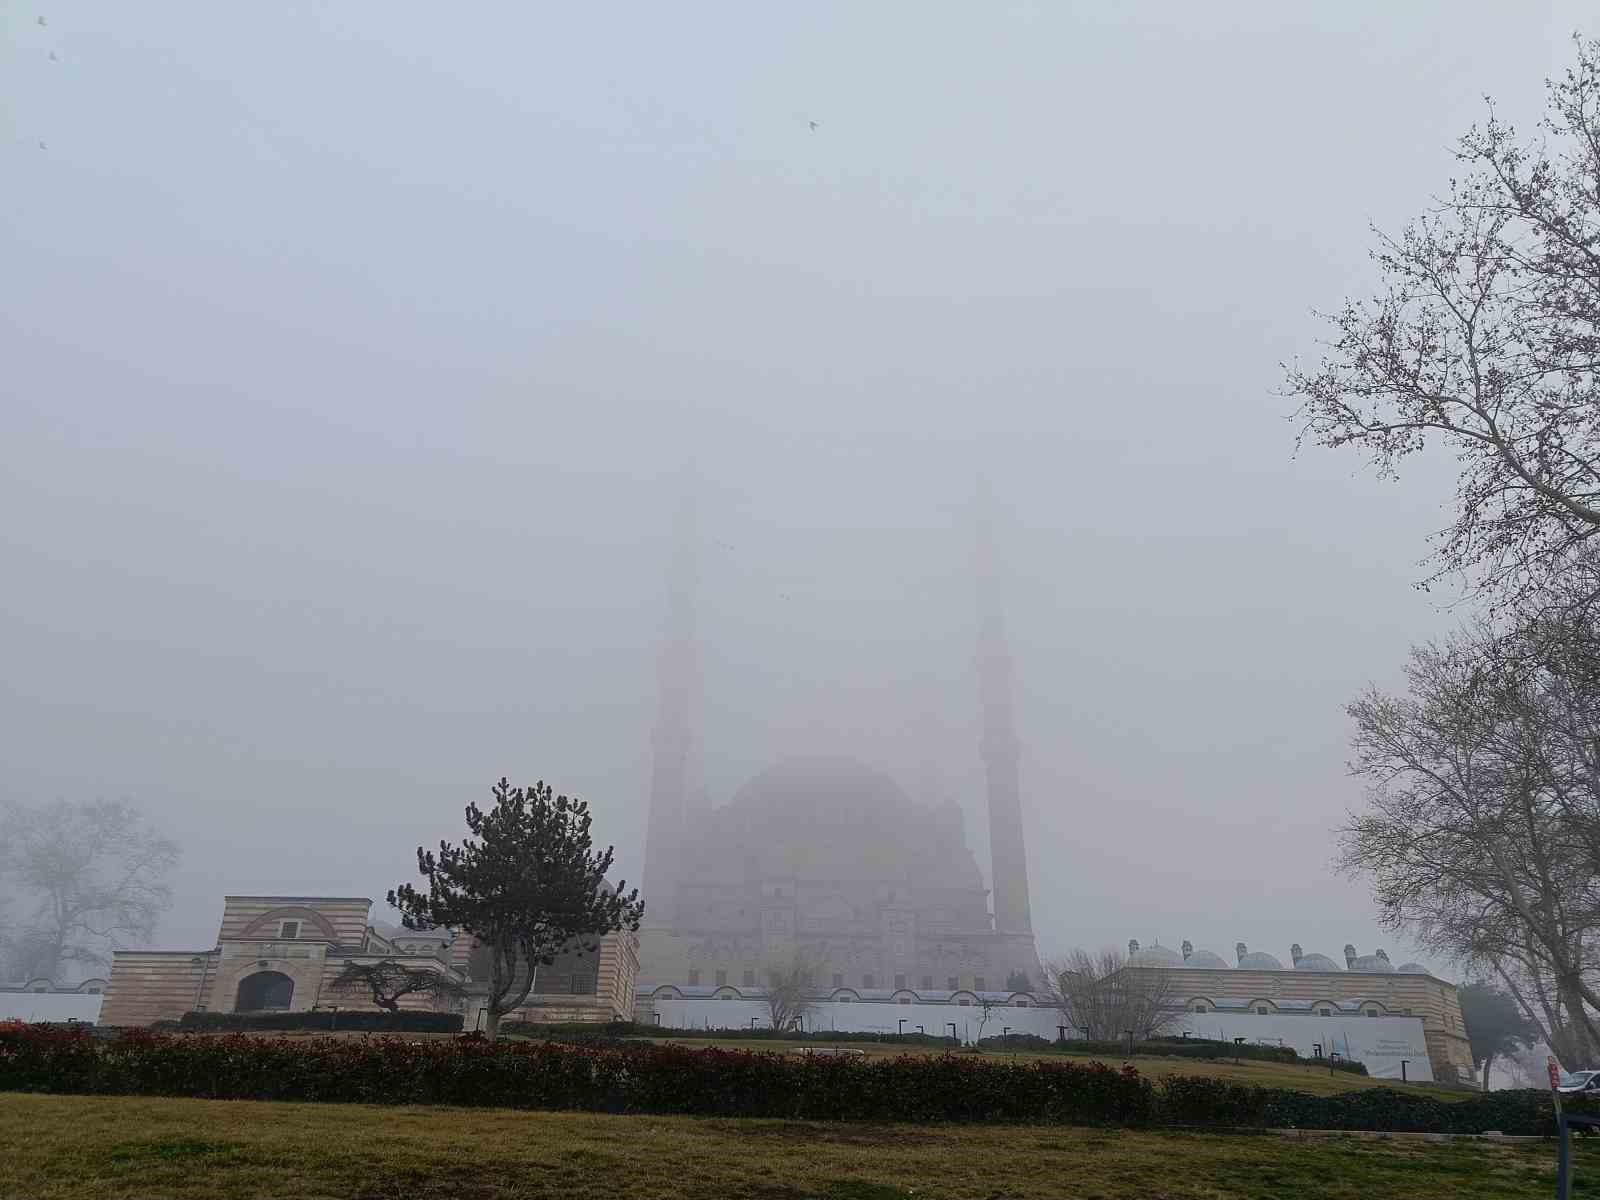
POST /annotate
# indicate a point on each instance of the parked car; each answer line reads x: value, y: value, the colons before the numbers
x: 1580, y: 1083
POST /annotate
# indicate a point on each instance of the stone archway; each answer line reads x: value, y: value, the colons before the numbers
x: 265, y: 990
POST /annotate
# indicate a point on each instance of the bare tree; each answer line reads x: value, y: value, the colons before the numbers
x: 986, y: 1008
x: 789, y: 991
x: 1485, y: 337
x: 1526, y: 1067
x: 91, y: 877
x: 1106, y: 996
x: 1481, y: 826
x: 388, y: 982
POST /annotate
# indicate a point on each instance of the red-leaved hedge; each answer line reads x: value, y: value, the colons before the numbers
x: 711, y: 1082
x: 653, y: 1079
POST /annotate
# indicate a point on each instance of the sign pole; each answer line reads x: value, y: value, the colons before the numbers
x: 1563, y: 1140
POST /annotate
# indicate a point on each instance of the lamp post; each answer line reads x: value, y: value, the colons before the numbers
x: 902, y: 1033
x: 952, y: 1027
x: 753, y: 1021
x: 1061, y: 1034
x: 1403, y: 1063
x: 1129, y: 1032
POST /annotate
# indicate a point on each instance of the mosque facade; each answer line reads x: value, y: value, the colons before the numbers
x: 827, y: 865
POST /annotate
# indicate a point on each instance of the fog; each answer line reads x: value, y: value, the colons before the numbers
x: 354, y: 358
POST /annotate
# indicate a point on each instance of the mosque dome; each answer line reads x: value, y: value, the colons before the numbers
x: 1412, y: 968
x: 1316, y: 962
x: 1202, y: 959
x: 830, y: 819
x: 1256, y: 961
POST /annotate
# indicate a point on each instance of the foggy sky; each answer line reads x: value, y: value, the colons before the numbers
x: 351, y: 355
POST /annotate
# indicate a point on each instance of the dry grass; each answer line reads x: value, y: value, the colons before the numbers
x: 73, y: 1148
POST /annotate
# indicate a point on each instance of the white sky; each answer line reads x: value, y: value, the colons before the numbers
x: 351, y: 353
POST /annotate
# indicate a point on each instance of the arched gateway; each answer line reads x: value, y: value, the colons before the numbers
x: 264, y: 990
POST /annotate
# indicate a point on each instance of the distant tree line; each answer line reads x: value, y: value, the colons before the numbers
x: 1481, y: 832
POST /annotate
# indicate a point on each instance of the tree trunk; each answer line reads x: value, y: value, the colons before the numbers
x: 491, y: 1023
x: 1488, y: 1064
x: 1582, y: 1032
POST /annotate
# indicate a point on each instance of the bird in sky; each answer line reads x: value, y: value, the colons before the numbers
x: 42, y: 146
x: 53, y: 57
x: 41, y: 21
x: 814, y: 125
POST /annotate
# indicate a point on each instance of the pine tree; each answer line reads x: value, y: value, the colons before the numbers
x: 527, y: 885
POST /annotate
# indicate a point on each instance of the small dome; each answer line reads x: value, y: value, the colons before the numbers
x: 1372, y: 962
x: 1154, y: 956
x: 1206, y: 960
x: 1412, y: 968
x: 1256, y: 961
x: 1316, y: 962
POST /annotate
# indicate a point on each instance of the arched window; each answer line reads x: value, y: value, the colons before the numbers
x: 264, y: 990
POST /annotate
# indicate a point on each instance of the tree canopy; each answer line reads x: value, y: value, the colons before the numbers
x: 89, y: 878
x: 1481, y: 833
x: 1495, y: 1024
x: 1107, y: 996
x: 1485, y: 337
x: 388, y: 982
x: 527, y: 884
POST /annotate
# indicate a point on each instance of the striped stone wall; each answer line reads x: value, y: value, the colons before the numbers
x: 1390, y: 993
x: 337, y: 919
x: 156, y: 985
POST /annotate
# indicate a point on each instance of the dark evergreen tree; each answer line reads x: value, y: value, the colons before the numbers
x: 1495, y: 1025
x: 527, y: 885
x: 388, y: 982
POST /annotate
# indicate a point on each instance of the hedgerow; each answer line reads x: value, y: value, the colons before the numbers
x: 546, y: 1075
x: 470, y: 1071
x: 1204, y: 1048
x: 353, y: 1020
x: 1200, y: 1101
x: 741, y: 1033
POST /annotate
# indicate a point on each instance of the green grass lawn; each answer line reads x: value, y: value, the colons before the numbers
x: 70, y: 1148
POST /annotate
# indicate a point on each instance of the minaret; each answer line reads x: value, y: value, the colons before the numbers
x: 1008, y: 854
x: 672, y: 771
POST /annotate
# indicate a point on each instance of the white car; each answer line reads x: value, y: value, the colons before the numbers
x: 1580, y: 1083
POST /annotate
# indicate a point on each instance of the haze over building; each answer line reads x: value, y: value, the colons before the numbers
x: 827, y: 862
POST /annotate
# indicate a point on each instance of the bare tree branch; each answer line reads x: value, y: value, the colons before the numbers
x: 1485, y: 338
x: 94, y: 878
x: 1105, y: 996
